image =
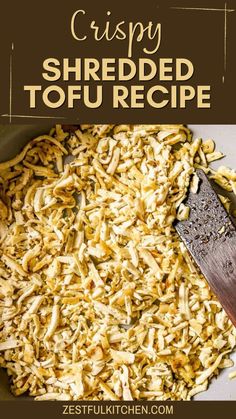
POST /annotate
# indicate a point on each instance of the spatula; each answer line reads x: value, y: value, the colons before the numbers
x: 210, y: 236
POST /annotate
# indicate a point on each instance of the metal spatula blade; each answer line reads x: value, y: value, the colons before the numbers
x: 210, y: 236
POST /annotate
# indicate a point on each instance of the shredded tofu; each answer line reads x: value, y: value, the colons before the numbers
x: 99, y: 298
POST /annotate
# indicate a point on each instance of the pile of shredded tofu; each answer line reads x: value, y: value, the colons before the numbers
x: 99, y: 299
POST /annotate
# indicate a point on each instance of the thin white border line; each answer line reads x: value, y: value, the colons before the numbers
x: 7, y: 115
x: 225, y: 10
x: 203, y: 8
x: 10, y: 115
x: 10, y: 82
x: 225, y: 38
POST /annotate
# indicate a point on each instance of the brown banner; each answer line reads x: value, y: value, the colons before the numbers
x: 178, y: 410
x: 163, y: 31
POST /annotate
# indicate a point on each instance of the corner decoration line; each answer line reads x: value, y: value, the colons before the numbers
x: 225, y: 10
x: 208, y: 9
x: 10, y: 82
x: 7, y: 115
